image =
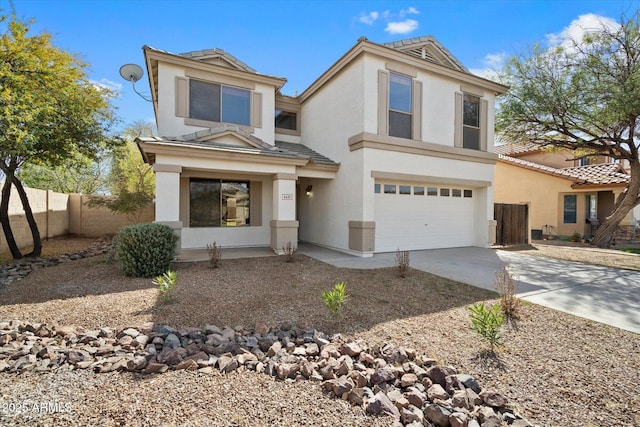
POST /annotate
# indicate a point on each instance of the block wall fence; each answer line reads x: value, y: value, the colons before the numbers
x: 63, y: 214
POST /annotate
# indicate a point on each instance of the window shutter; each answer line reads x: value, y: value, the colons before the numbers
x: 182, y: 97
x: 255, y: 203
x: 457, y: 133
x: 416, y: 123
x: 256, y: 109
x: 383, y: 102
x: 484, y: 106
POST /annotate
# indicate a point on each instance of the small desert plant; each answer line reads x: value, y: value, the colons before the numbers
x: 575, y: 237
x: 335, y: 299
x: 145, y: 250
x: 506, y: 286
x: 166, y: 283
x: 289, y: 252
x: 486, y: 321
x: 402, y: 262
x: 215, y: 255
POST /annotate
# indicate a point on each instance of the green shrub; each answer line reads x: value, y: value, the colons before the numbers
x: 146, y: 250
x: 335, y: 299
x: 486, y: 321
x: 166, y: 283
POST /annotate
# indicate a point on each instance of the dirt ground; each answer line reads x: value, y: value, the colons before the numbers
x: 555, y: 369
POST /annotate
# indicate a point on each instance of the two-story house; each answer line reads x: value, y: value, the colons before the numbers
x: 390, y: 148
x: 566, y: 192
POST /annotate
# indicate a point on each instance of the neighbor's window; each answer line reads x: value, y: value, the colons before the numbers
x: 218, y: 103
x: 570, y: 208
x: 432, y: 191
x: 468, y: 193
x: 400, y: 101
x: 418, y: 191
x: 389, y: 189
x: 471, y: 122
x: 376, y: 188
x: 405, y: 189
x: 456, y: 192
x: 218, y: 203
x: 286, y: 120
x: 444, y: 192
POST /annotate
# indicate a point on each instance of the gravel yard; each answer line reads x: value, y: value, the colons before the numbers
x: 555, y: 369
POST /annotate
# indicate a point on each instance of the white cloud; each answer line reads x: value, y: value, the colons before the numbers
x: 410, y: 11
x: 107, y: 84
x: 402, y: 27
x: 579, y: 27
x: 395, y: 21
x: 368, y: 18
x: 492, y: 64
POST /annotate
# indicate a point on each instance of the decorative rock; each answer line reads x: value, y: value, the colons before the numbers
x: 155, y: 368
x: 439, y: 373
x: 459, y: 419
x: 381, y: 405
x: 287, y: 370
x: 408, y: 380
x: 438, y: 415
x: 351, y: 349
x: 172, y: 341
x: 274, y: 349
x: 138, y: 363
x: 188, y: 365
x: 342, y: 385
x: 437, y: 392
x: 493, y: 399
x: 412, y: 414
x: 383, y: 375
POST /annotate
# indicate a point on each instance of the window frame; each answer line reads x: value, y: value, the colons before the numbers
x: 222, y: 204
x: 570, y: 212
x: 224, y: 92
x: 460, y: 126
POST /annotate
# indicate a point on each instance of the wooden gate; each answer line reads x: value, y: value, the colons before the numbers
x: 511, y: 224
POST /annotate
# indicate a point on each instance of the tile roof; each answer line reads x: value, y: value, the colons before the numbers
x: 306, y: 152
x: 598, y: 174
x: 281, y: 149
x: 517, y: 148
x: 206, y: 53
x: 273, y: 151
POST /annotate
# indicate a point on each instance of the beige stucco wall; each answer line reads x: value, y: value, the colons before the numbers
x: 60, y: 214
x: 545, y: 196
x: 328, y: 124
x: 171, y: 125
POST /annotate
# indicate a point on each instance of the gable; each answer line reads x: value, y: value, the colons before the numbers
x: 428, y: 49
x: 218, y: 57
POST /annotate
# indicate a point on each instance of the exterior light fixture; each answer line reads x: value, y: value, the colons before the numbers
x: 309, y: 189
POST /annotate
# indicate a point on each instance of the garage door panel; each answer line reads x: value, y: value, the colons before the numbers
x: 412, y: 222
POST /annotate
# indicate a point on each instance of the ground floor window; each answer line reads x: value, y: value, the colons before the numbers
x: 218, y: 203
x: 570, y: 208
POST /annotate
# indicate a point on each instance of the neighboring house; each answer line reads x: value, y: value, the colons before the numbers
x: 564, y: 194
x: 390, y: 148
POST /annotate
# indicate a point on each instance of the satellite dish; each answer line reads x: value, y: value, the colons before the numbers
x: 131, y: 72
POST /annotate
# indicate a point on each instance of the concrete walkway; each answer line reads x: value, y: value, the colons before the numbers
x: 605, y: 295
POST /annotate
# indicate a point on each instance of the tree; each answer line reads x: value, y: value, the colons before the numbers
x: 49, y: 113
x: 78, y: 175
x: 583, y: 95
x: 131, y: 181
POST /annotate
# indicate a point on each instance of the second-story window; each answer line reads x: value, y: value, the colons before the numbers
x: 286, y: 120
x: 400, y: 102
x: 471, y: 122
x: 219, y: 103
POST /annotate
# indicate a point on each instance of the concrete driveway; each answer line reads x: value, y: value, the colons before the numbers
x: 606, y: 295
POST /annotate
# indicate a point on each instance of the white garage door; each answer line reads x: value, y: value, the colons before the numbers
x: 412, y: 217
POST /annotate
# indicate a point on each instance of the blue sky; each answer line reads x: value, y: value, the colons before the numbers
x: 295, y: 39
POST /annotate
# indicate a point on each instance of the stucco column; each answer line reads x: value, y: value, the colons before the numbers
x: 168, y: 197
x: 284, y: 226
